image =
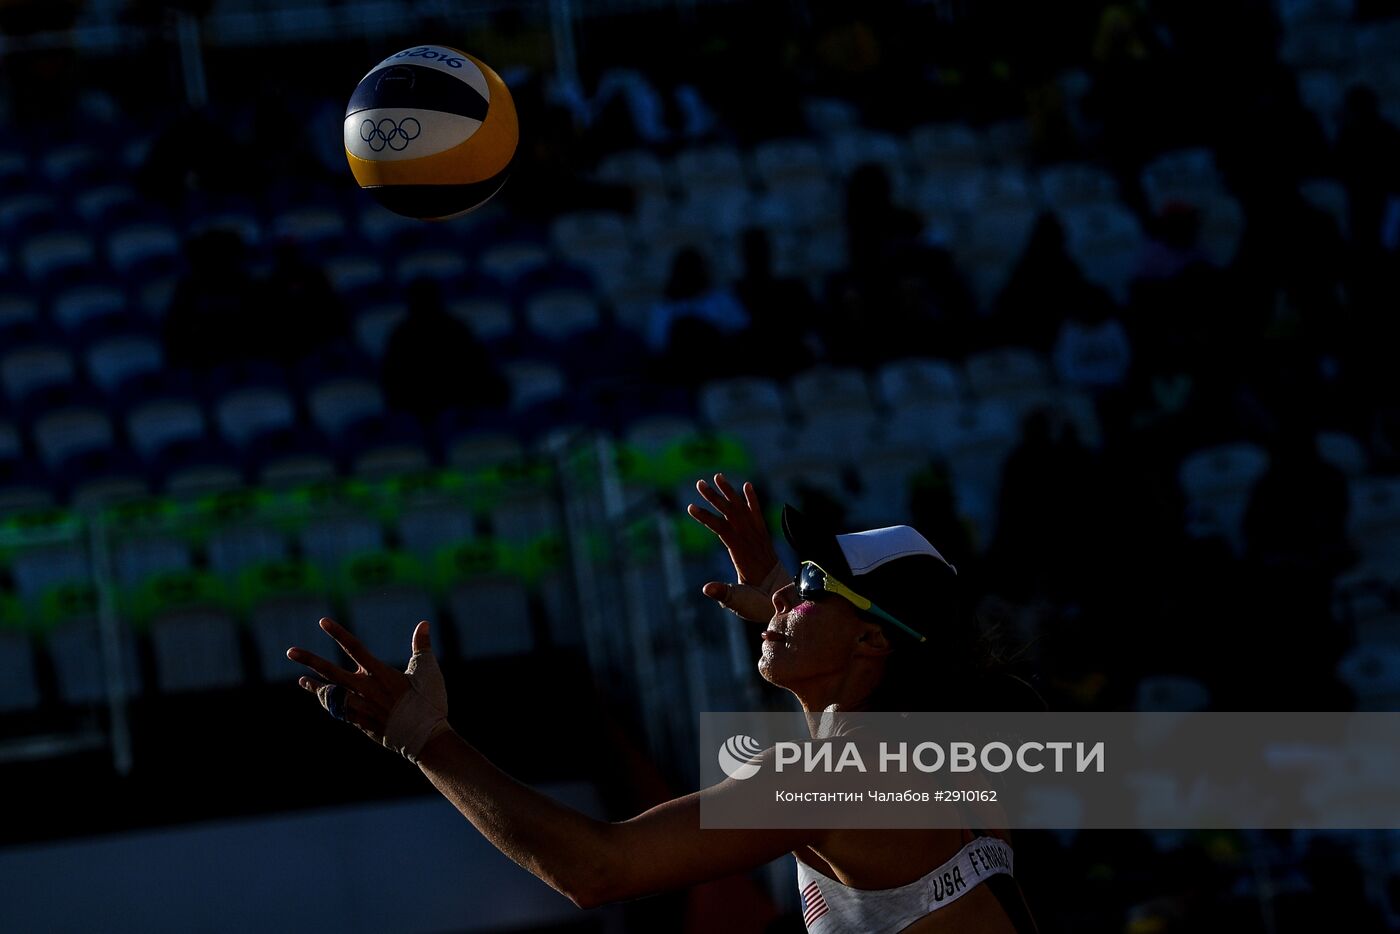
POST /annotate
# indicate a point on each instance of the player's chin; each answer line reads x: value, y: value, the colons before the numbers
x: 772, y: 668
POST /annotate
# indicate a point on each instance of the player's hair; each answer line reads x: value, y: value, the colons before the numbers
x: 961, y: 666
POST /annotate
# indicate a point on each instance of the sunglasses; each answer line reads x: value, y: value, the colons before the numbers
x: 813, y: 583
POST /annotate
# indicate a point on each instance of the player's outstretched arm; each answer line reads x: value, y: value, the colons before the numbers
x: 595, y: 862
x: 592, y: 862
x: 738, y: 522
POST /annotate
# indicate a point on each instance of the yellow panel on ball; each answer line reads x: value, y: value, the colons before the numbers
x: 431, y: 132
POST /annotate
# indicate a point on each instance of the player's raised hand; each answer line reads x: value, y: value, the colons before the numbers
x: 401, y: 710
x: 739, y: 524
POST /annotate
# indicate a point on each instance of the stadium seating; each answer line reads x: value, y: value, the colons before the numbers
x: 157, y: 424
x: 442, y: 265
x: 142, y: 250
x: 49, y: 257
x: 111, y: 362
x: 1373, y: 674
x: 490, y: 317
x: 73, y: 639
x: 279, y: 599
x: 19, y: 683
x: 313, y: 227
x: 944, y: 145
x: 489, y: 604
x: 509, y: 261
x: 338, y: 404
x: 94, y: 261
x: 64, y: 434
x: 557, y: 315
x: 1185, y: 175
x: 28, y: 370
x: 375, y: 325
x: 887, y: 472
x: 1171, y: 693
x: 1374, y: 519
x: 385, y: 595
x: 243, y: 415
x: 915, y: 381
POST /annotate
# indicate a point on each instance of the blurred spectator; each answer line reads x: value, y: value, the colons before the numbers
x: 21, y: 17
x: 629, y: 108
x: 1269, y: 141
x: 1385, y: 437
x: 784, y: 313
x: 516, y: 41
x: 1046, y: 508
x: 1122, y: 35
x: 434, y: 363
x: 547, y: 177
x: 1131, y: 96
x: 932, y: 309
x: 847, y: 44
x: 1167, y: 407
x: 1295, y: 543
x: 214, y: 315
x: 882, y: 235
x: 303, y: 311
x: 43, y: 79
x: 700, y: 330
x: 1044, y: 280
x: 1053, y: 136
x: 1092, y: 350
x: 1297, y: 514
x: 195, y: 153
x: 856, y: 330
x: 898, y: 296
x: 1338, y: 896
x: 1294, y: 258
x: 1368, y: 161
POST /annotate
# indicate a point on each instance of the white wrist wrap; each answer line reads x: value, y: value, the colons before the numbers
x: 421, y: 713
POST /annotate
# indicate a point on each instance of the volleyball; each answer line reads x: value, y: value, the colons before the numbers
x: 431, y: 132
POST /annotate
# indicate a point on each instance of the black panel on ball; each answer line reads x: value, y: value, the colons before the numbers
x: 417, y: 87
x: 429, y: 201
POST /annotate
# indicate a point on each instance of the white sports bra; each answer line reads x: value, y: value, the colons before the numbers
x: 831, y: 907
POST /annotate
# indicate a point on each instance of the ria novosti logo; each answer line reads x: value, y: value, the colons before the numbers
x: 740, y: 757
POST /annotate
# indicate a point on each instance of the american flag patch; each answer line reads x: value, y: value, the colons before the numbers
x: 813, y: 905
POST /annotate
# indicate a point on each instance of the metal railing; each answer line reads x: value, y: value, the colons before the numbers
x: 651, y: 640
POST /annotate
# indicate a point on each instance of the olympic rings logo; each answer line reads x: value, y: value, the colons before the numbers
x: 386, y: 132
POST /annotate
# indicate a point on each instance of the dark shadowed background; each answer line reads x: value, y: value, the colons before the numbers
x: 1101, y: 297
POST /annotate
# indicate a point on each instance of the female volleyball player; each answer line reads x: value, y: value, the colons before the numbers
x: 848, y: 633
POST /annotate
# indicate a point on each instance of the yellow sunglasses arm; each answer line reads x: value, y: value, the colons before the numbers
x: 841, y: 590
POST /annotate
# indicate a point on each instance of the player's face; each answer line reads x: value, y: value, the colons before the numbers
x: 808, y: 639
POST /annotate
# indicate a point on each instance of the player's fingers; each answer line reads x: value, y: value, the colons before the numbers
x: 744, y: 601
x: 726, y: 488
x: 751, y: 498
x: 708, y: 519
x: 422, y: 640
x: 717, y: 591
x: 715, y: 498
x: 332, y: 673
x: 310, y: 684
x: 352, y: 646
